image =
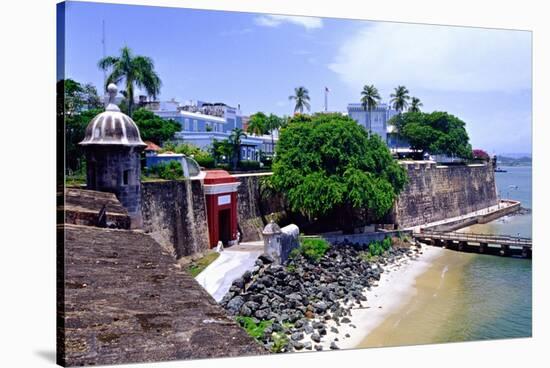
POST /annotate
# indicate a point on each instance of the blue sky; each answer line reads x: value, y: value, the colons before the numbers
x: 483, y: 76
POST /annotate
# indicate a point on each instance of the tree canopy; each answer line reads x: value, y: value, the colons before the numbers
x: 327, y: 162
x: 154, y: 128
x: 436, y: 133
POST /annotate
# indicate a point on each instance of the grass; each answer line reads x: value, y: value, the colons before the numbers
x: 197, y: 266
x: 256, y: 330
x: 75, y: 180
x: 311, y: 248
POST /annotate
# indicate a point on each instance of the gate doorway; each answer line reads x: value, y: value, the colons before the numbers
x: 224, y: 223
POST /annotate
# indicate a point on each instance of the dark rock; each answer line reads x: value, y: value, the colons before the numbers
x: 307, y: 345
x: 262, y: 313
x: 334, y: 330
x: 315, y: 337
x: 345, y: 320
x: 266, y: 259
x: 333, y: 346
x: 235, y: 304
x: 297, y: 336
x: 318, y: 347
x: 298, y: 345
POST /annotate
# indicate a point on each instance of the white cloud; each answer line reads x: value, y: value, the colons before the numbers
x: 436, y: 58
x: 308, y: 23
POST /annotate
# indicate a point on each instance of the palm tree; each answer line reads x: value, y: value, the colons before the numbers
x: 369, y: 100
x: 400, y: 98
x: 257, y: 124
x: 235, y: 141
x: 415, y: 105
x: 301, y: 95
x: 135, y: 70
x: 273, y: 123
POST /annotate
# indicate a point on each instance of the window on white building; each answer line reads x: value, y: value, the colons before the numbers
x: 195, y: 125
x: 186, y: 124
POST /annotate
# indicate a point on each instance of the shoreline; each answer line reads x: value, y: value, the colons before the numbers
x: 395, y: 289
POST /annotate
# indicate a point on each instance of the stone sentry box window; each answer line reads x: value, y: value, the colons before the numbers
x: 125, y: 177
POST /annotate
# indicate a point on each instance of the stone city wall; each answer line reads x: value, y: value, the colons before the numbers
x: 435, y: 192
x: 174, y: 212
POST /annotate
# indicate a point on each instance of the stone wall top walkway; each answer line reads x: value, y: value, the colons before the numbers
x: 125, y: 300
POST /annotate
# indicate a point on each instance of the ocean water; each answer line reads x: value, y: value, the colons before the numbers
x: 498, y: 291
x: 467, y: 296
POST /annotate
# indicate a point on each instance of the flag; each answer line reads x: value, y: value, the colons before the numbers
x: 327, y: 90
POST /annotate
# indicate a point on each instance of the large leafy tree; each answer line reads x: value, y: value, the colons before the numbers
x: 301, y: 98
x: 329, y: 165
x: 77, y: 105
x: 134, y: 71
x: 436, y: 133
x: 369, y: 100
x: 154, y: 128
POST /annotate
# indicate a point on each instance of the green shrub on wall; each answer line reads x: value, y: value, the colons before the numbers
x: 171, y: 170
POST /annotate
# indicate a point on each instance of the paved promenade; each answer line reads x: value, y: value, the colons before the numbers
x: 232, y: 263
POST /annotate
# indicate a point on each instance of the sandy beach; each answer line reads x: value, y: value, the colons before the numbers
x: 395, y: 288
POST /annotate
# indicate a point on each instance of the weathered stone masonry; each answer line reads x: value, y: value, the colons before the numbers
x: 174, y: 212
x: 436, y: 192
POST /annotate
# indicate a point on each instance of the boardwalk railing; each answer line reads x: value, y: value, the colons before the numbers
x: 508, y: 240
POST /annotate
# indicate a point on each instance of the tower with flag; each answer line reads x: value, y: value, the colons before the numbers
x: 326, y: 98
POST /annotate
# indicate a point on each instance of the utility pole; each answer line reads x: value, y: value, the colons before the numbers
x: 326, y: 98
x: 104, y: 55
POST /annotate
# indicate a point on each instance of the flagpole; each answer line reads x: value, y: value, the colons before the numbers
x: 326, y: 98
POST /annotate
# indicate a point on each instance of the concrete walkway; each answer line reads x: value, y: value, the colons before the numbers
x: 232, y: 263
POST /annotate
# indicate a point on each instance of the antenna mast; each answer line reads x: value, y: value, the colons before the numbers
x: 104, y: 55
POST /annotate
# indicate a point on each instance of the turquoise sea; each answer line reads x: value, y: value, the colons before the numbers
x: 498, y: 291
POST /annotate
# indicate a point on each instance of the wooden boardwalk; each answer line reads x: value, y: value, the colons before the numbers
x: 504, y: 245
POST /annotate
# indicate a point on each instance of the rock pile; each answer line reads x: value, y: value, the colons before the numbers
x: 302, y: 296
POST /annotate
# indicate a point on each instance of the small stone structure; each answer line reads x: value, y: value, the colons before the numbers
x: 278, y: 243
x: 113, y: 146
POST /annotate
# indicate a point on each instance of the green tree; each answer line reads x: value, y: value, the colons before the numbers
x: 77, y: 105
x: 75, y: 128
x: 222, y: 151
x: 133, y: 70
x: 436, y: 133
x: 328, y: 164
x: 235, y: 141
x: 369, y: 100
x: 154, y: 128
x: 257, y: 124
x: 400, y: 98
x: 301, y: 97
x: 415, y: 105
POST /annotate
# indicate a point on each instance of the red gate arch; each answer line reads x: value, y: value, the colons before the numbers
x: 220, y: 189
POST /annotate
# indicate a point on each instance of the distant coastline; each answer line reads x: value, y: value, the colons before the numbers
x: 514, y: 161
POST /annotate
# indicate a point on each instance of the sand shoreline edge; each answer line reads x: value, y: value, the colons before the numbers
x: 395, y: 288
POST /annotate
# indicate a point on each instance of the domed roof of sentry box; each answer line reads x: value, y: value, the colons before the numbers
x: 112, y: 127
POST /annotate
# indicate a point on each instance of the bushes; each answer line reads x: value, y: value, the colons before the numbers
x: 205, y: 161
x: 311, y: 248
x: 377, y: 248
x: 171, y: 170
x: 249, y: 165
